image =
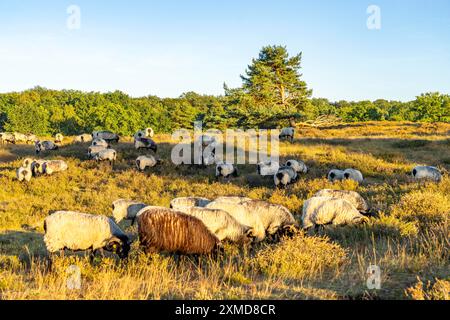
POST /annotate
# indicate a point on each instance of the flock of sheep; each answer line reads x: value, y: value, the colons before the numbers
x: 194, y: 225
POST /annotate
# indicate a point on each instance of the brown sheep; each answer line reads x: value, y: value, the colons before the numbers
x: 165, y: 230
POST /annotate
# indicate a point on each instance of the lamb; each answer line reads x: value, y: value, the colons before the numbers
x: 284, y: 176
x: 298, y: 166
x: 94, y: 150
x: 52, y: 166
x: 427, y: 173
x: 98, y: 142
x: 78, y: 231
x: 145, y: 143
x: 44, y: 146
x: 147, y: 133
x: 186, y: 202
x: 260, y: 215
x: 106, y: 155
x: 351, y: 196
x: 108, y: 136
x: 126, y: 210
x: 287, y: 133
x: 166, y: 230
x: 268, y: 168
x: 354, y: 175
x: 221, y: 224
x: 59, y: 138
x: 319, y: 211
x: 226, y: 170
x: 335, y: 175
x: 82, y: 138
x: 143, y: 162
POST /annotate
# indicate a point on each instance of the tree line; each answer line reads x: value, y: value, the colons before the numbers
x: 272, y: 95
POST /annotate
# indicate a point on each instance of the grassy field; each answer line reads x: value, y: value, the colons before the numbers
x: 408, y: 240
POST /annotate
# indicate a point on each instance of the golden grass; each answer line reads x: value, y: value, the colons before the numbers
x: 409, y: 237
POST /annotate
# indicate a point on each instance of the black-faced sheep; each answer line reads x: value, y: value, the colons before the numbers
x: 287, y: 133
x: 166, y: 230
x: 82, y: 138
x: 299, y: 166
x: 335, y: 175
x: 106, y: 155
x: 44, y: 146
x: 144, y: 162
x: 98, y: 142
x: 78, y: 231
x: 353, y: 174
x: 126, y: 210
x: 51, y: 166
x: 145, y: 143
x: 284, y: 176
x: 222, y: 224
x: 427, y: 173
x: 226, y: 170
x: 94, y: 150
x: 268, y: 168
x: 320, y: 211
x: 25, y: 172
x: 108, y: 136
x: 184, y: 202
x: 351, y: 196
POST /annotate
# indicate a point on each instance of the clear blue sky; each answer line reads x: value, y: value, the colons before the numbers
x: 168, y: 47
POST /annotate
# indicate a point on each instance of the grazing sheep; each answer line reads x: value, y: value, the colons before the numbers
x: 268, y: 168
x: 6, y: 137
x: 354, y: 175
x: 106, y: 155
x: 126, y: 209
x: 319, y: 211
x: 186, y: 202
x: 52, y: 166
x: 144, y: 162
x: 226, y: 170
x: 298, y: 166
x: 284, y: 177
x: 78, y: 231
x: 94, y: 150
x: 20, y: 137
x: 98, y: 142
x: 222, y: 224
x: 108, y: 136
x: 427, y: 173
x: 59, y: 138
x: 82, y: 138
x: 145, y: 143
x: 44, y: 146
x: 166, y: 230
x: 287, y: 133
x: 260, y: 215
x: 147, y: 133
x: 351, y: 196
x: 335, y: 175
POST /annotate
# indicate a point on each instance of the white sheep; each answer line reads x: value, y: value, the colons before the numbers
x: 106, y: 155
x: 78, y: 231
x: 98, y: 142
x: 126, y: 209
x: 263, y: 217
x: 94, y: 150
x: 184, y: 202
x: 44, y: 146
x: 31, y: 138
x: 335, y: 175
x: 51, y: 166
x: 144, y: 162
x: 221, y: 224
x: 20, y: 137
x: 354, y: 175
x: 145, y: 143
x: 319, y: 211
x: 287, y: 133
x: 82, y: 138
x: 226, y: 170
x: 106, y: 135
x: 268, y: 168
x: 298, y: 166
x: 284, y: 176
x: 6, y: 137
x: 427, y: 173
x: 351, y: 196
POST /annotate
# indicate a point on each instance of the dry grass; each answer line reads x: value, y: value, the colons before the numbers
x: 408, y: 239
